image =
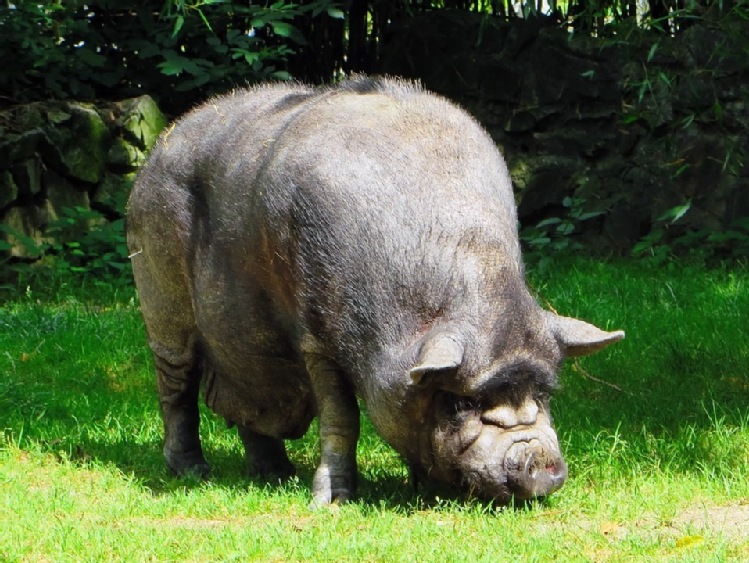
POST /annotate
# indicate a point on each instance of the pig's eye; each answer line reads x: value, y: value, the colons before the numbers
x: 463, y: 404
x: 456, y: 406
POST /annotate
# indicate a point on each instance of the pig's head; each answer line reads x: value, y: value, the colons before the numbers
x: 482, y: 417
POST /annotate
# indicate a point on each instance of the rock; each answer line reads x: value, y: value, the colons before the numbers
x: 17, y: 147
x: 8, y: 188
x: 113, y: 191
x: 123, y: 155
x: 141, y: 121
x: 59, y: 155
x: 27, y: 221
x: 81, y: 143
x: 27, y: 175
x: 62, y: 194
x: 521, y: 121
x: 544, y: 181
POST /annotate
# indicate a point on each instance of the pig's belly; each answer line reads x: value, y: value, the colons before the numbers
x: 253, y: 372
x: 272, y: 396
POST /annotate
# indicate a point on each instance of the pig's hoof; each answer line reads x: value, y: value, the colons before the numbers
x: 187, y: 464
x: 331, y: 489
x: 328, y: 500
x: 273, y: 469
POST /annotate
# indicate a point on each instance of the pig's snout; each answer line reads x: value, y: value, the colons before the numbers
x: 533, y: 471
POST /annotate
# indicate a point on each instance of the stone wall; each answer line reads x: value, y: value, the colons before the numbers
x: 64, y: 155
x: 624, y: 127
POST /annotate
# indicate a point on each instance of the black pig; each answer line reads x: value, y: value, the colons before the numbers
x: 295, y: 248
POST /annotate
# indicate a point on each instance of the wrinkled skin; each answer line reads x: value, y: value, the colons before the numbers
x: 296, y: 248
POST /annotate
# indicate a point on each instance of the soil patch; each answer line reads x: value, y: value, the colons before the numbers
x: 732, y: 520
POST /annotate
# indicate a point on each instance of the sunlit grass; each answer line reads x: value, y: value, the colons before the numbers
x: 655, y: 431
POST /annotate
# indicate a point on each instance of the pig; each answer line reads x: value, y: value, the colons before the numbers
x: 296, y: 249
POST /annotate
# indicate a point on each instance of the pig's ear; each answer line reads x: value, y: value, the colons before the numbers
x: 439, y: 353
x: 578, y: 338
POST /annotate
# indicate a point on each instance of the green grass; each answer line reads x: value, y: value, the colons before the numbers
x: 655, y: 431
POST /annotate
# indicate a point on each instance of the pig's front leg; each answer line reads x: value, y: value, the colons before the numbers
x: 338, y: 413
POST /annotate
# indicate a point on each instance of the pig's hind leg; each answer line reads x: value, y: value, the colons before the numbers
x: 172, y: 336
x: 179, y: 386
x: 266, y: 456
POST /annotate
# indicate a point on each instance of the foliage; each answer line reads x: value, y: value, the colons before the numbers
x: 664, y: 79
x: 84, y: 243
x: 179, y: 51
x: 554, y: 236
x: 678, y: 99
x: 657, y: 470
x: 662, y: 244
x: 80, y: 242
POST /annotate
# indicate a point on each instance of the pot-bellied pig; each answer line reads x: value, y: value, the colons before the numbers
x: 295, y: 248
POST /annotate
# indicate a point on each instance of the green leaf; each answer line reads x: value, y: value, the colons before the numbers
x: 676, y: 213
x: 171, y: 67
x: 281, y: 75
x: 335, y: 13
x: 652, y: 52
x: 683, y: 168
x: 548, y: 222
x: 688, y: 120
x: 588, y: 215
x: 644, y: 87
x: 90, y: 58
x: 206, y: 23
x: 176, y: 64
x: 285, y: 29
x: 179, y: 21
x: 718, y: 110
x: 539, y: 241
x: 250, y: 57
x: 196, y: 82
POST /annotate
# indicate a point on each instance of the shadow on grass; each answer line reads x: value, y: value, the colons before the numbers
x: 683, y: 404
x: 142, y: 461
x: 42, y: 416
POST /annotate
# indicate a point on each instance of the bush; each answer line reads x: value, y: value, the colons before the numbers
x: 80, y: 243
x: 179, y: 51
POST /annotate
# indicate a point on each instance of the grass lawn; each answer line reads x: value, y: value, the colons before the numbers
x: 655, y: 431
